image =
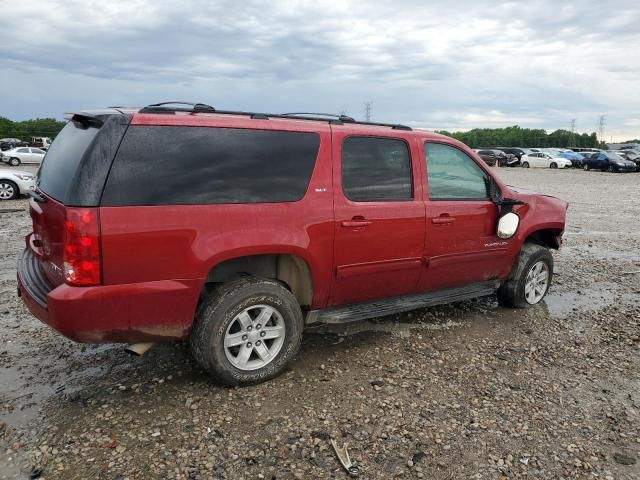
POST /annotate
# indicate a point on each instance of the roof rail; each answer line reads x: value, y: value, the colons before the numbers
x: 165, y: 107
x: 168, y: 107
x: 342, y: 118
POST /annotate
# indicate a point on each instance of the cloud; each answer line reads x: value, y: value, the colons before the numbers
x: 435, y: 64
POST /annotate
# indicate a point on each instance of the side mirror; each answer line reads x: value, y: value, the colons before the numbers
x: 508, y: 225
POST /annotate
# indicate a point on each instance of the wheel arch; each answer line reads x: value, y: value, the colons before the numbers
x: 546, y: 237
x: 290, y: 269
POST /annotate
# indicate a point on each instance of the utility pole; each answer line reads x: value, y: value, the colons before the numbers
x: 367, y: 111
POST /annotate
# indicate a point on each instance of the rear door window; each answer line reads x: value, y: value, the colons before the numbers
x: 63, y: 158
x: 452, y: 175
x: 376, y: 169
x: 170, y: 165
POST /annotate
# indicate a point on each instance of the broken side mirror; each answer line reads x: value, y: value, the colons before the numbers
x: 508, y: 225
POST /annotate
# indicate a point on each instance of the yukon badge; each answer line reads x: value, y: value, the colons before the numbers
x: 496, y: 244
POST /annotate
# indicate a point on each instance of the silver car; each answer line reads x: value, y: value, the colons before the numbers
x: 18, y: 155
x: 14, y: 183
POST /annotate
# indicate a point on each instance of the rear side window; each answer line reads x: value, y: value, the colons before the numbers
x: 453, y: 175
x: 164, y: 165
x: 63, y: 158
x: 376, y: 170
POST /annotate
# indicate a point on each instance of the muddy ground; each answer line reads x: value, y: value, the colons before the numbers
x: 468, y: 390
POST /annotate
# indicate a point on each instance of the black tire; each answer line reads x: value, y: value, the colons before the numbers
x: 11, y: 188
x: 219, y: 310
x: 525, y: 164
x: 586, y: 167
x: 14, y: 162
x: 511, y: 292
x: 553, y: 165
x: 611, y: 169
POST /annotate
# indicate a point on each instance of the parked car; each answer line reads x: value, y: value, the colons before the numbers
x: 628, y: 154
x: 9, y: 143
x: 518, y: 152
x: 576, y: 159
x: 14, y: 183
x: 16, y: 156
x: 268, y: 223
x: 490, y: 157
x: 41, y: 142
x: 611, y: 162
x: 544, y: 160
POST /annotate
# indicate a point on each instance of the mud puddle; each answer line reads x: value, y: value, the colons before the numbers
x: 598, y: 296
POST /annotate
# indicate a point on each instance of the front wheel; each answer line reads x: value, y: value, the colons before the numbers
x: 8, y: 190
x: 530, y: 278
x: 14, y: 162
x: 586, y: 167
x: 611, y: 169
x: 525, y: 164
x: 247, y: 331
x: 553, y: 165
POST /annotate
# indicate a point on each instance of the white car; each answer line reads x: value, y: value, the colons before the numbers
x: 543, y: 160
x: 18, y: 155
x: 14, y: 183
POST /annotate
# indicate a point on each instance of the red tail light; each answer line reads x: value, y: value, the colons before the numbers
x: 82, y: 246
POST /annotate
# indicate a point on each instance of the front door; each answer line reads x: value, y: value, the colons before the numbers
x: 461, y: 245
x: 379, y: 217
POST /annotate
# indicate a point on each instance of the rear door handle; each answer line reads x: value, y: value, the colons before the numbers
x: 356, y: 222
x: 443, y: 220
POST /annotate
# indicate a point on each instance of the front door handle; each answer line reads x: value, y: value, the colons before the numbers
x: 443, y: 219
x: 355, y: 222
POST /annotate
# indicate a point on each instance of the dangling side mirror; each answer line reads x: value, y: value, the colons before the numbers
x: 508, y: 225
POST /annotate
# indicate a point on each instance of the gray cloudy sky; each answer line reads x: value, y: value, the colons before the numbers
x: 436, y: 64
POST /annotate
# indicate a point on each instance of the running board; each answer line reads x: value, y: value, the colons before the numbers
x: 404, y: 303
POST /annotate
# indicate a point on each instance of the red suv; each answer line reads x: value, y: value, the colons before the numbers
x: 235, y: 230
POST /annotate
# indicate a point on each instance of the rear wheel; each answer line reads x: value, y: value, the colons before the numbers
x: 247, y: 331
x: 586, y: 167
x: 14, y: 162
x: 525, y: 164
x: 530, y: 278
x: 611, y: 169
x: 553, y: 165
x: 8, y: 190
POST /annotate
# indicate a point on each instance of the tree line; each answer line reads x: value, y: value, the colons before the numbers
x: 24, y: 130
x: 524, y: 137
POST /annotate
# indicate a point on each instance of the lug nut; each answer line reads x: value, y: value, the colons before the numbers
x: 248, y: 344
x: 258, y: 343
x: 263, y: 333
x: 244, y: 337
x: 249, y: 328
x: 258, y: 326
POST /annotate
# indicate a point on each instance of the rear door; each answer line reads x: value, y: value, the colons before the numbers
x: 24, y: 155
x: 461, y: 246
x: 379, y: 216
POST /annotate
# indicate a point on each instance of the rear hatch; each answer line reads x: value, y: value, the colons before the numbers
x: 64, y: 206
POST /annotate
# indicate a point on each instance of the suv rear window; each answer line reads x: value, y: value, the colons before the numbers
x: 169, y: 165
x: 376, y: 170
x: 63, y: 158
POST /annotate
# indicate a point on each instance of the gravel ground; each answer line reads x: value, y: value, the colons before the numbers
x: 468, y: 390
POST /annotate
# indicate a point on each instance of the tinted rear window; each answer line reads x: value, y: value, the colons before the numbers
x: 62, y: 159
x: 161, y: 165
x: 376, y: 170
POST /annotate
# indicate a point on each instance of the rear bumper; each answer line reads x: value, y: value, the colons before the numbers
x: 141, y: 312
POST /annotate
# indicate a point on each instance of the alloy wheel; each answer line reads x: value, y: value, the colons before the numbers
x: 254, y: 337
x: 536, y: 283
x: 7, y: 191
